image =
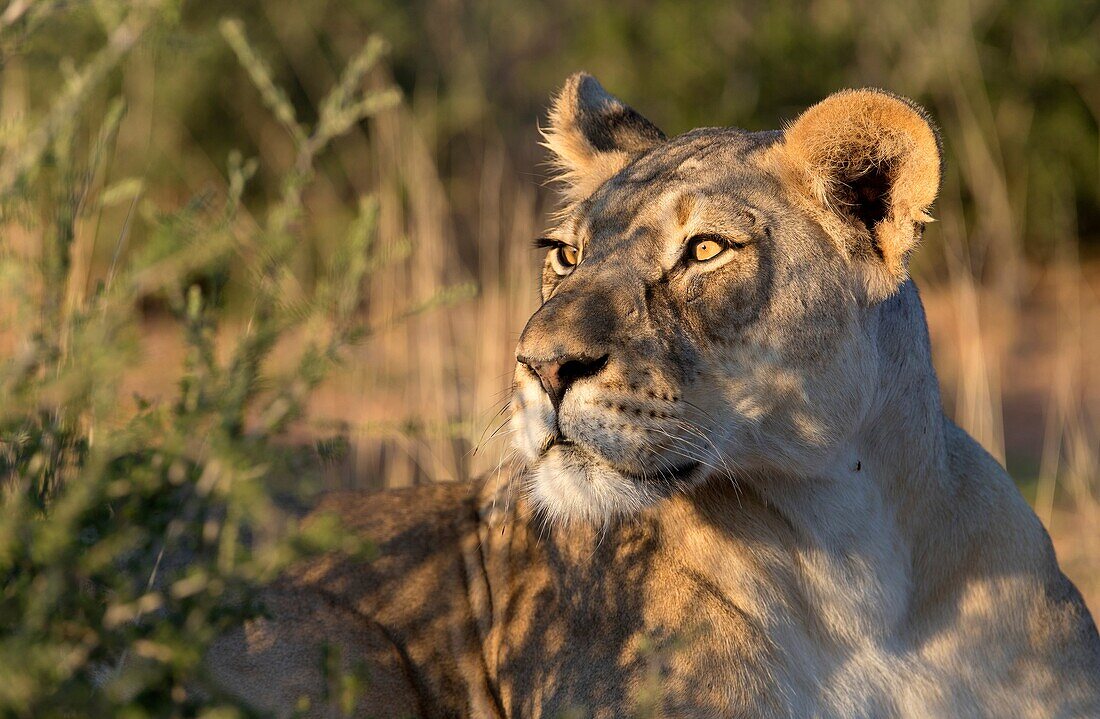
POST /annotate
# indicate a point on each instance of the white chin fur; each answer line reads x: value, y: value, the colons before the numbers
x: 570, y: 490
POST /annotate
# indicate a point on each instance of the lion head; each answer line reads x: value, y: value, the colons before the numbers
x: 706, y: 298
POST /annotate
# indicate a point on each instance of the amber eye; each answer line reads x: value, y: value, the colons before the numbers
x: 564, y: 258
x: 703, y: 248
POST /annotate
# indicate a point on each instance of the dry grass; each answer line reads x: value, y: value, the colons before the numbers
x: 124, y: 157
x: 1017, y: 357
x: 1020, y: 373
x: 1025, y: 380
x: 1015, y: 343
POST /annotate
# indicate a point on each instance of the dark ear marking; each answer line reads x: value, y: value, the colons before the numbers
x: 870, y: 195
x: 608, y: 124
x: 593, y: 135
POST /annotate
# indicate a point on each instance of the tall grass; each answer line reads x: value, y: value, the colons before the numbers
x: 1011, y: 299
x: 133, y: 249
x: 136, y: 529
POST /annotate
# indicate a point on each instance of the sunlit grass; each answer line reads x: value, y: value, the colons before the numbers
x: 204, y: 218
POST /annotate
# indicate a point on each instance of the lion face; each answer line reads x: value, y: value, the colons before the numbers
x: 705, y: 298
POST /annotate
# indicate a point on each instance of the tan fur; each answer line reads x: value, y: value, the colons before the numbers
x: 747, y: 503
x: 852, y: 132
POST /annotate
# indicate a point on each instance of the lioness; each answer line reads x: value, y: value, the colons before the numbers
x: 741, y: 495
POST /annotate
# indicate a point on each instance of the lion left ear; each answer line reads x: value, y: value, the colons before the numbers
x: 872, y: 162
x: 594, y: 135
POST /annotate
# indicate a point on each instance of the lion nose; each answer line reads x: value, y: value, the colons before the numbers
x: 557, y: 375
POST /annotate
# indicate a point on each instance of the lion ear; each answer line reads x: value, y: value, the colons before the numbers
x: 593, y: 135
x: 872, y: 162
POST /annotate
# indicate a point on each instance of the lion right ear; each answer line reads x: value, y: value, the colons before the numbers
x: 871, y: 163
x: 594, y: 135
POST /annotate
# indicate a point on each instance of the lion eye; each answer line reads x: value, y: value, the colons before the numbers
x: 564, y: 258
x: 705, y: 248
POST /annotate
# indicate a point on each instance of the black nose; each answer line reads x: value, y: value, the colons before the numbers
x: 558, y: 374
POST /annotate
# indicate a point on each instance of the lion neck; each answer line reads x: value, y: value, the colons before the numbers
x: 860, y: 523
x: 860, y: 528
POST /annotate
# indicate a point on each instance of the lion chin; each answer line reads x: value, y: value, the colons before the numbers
x: 571, y: 486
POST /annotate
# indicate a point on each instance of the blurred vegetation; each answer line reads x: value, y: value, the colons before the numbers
x: 458, y: 171
x: 1015, y: 87
x: 134, y: 531
x: 1025, y: 76
x: 204, y: 206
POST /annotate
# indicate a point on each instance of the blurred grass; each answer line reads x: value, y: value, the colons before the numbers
x: 136, y: 529
x: 1009, y: 271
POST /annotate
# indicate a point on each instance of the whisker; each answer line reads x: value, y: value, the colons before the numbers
x: 496, y: 415
x: 705, y: 413
x: 698, y: 431
x: 736, y: 475
x: 687, y: 455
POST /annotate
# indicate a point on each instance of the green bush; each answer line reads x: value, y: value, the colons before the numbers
x: 134, y: 530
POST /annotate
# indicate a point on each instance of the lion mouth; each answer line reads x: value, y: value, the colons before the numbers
x: 661, y: 473
x: 668, y: 476
x: 572, y: 482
